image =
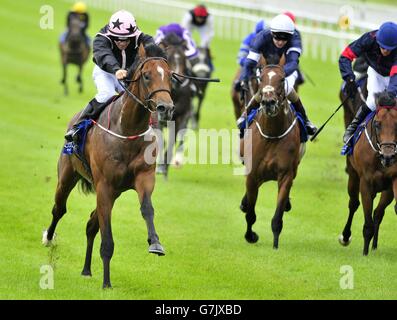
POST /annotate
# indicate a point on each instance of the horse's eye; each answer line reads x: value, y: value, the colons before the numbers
x: 377, y: 125
x: 146, y: 77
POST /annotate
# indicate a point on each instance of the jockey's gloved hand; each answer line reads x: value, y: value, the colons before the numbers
x: 121, y: 74
x: 351, y: 87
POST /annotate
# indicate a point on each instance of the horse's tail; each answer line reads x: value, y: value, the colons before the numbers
x: 86, y: 186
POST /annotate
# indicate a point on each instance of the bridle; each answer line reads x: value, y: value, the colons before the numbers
x: 268, y: 89
x: 148, y: 99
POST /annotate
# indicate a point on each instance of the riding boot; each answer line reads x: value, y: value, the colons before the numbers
x: 310, y: 127
x: 88, y: 111
x: 362, y: 112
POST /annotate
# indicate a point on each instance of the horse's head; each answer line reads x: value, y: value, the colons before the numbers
x: 201, y: 64
x: 175, y: 48
x: 385, y: 126
x: 152, y: 75
x: 271, y: 92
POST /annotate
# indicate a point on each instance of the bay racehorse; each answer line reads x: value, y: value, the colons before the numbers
x: 182, y: 96
x: 74, y: 51
x: 276, y: 150
x: 120, y: 158
x: 374, y: 169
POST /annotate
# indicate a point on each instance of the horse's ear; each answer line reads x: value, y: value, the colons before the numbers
x: 282, y: 60
x: 141, y: 51
x: 162, y: 45
x: 262, y: 61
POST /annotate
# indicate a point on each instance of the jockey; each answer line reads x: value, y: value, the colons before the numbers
x: 115, y: 48
x: 247, y: 42
x: 78, y: 11
x: 199, y: 19
x: 191, y: 49
x: 379, y: 48
x: 280, y: 39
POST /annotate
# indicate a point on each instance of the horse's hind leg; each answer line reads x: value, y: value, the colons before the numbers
x: 284, y: 187
x: 64, y: 81
x: 67, y: 179
x: 353, y: 187
x: 385, y: 199
x: 248, y: 203
x: 91, y: 231
x: 144, y: 186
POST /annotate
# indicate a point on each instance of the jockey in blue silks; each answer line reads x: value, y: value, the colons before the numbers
x: 247, y: 42
x: 280, y: 39
x: 379, y: 48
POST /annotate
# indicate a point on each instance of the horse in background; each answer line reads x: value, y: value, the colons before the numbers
x: 182, y: 96
x: 74, y: 51
x: 119, y: 157
x: 276, y: 149
x: 374, y: 169
x: 201, y: 67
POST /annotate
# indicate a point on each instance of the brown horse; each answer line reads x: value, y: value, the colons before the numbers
x: 276, y: 150
x: 350, y: 107
x: 74, y: 51
x: 118, y: 157
x: 374, y: 170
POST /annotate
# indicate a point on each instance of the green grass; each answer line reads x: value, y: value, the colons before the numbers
x: 197, y: 215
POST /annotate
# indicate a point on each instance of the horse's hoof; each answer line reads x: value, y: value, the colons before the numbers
x: 45, y: 241
x: 157, y: 248
x: 343, y: 242
x: 107, y: 286
x: 251, y: 237
x: 86, y: 273
x: 288, y: 206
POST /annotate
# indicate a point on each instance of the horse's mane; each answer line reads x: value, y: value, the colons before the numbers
x: 384, y: 99
x: 273, y: 59
x: 151, y: 50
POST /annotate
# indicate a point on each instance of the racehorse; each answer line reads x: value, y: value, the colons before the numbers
x: 118, y: 156
x: 373, y: 170
x: 75, y: 51
x: 181, y: 95
x: 276, y: 149
x: 201, y: 67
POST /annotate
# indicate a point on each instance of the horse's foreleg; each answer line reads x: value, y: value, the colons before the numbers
x: 248, y: 203
x: 353, y: 187
x: 91, y: 231
x: 367, y: 198
x: 64, y: 81
x: 67, y: 179
x: 284, y: 187
x: 144, y: 185
x: 385, y: 199
x: 105, y: 200
x: 79, y: 79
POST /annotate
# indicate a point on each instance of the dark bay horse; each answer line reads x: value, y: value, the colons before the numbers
x: 74, y: 51
x: 374, y: 170
x: 120, y: 157
x: 200, y: 68
x: 182, y: 96
x: 276, y: 150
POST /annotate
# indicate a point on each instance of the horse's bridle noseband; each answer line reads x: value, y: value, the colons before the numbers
x: 148, y: 99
